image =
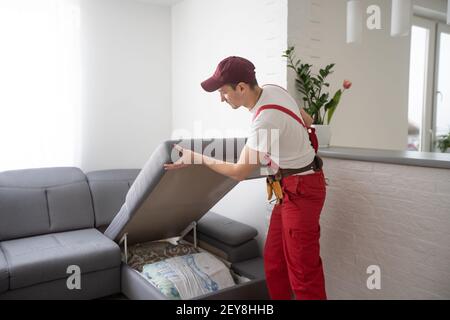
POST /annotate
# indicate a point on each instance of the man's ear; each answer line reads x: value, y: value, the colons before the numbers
x: 241, y: 86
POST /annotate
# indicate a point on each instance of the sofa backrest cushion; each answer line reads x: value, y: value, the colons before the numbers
x: 109, y: 189
x: 40, y: 201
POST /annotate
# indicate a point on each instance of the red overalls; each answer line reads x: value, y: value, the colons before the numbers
x: 292, y: 252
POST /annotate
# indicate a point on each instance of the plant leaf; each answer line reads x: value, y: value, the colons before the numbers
x: 332, y: 105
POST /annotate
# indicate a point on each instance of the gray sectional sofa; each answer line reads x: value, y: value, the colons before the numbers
x: 54, y: 218
x: 48, y: 223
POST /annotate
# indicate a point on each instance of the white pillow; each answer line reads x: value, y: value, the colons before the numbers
x: 192, y: 275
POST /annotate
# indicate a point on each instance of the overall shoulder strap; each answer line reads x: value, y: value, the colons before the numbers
x: 311, y: 131
x: 279, y: 108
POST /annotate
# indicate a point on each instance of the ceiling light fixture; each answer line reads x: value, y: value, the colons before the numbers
x: 354, y: 21
x: 402, y: 11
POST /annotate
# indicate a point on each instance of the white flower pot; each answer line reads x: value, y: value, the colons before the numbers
x: 323, y: 133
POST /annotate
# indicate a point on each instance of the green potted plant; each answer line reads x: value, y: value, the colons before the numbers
x: 444, y: 143
x: 318, y: 103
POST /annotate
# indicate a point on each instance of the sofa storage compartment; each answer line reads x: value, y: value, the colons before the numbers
x: 135, y: 285
x: 179, y: 270
x: 137, y: 288
x: 164, y: 204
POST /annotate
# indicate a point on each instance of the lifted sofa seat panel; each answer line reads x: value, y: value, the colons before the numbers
x: 161, y: 204
x: 46, y: 258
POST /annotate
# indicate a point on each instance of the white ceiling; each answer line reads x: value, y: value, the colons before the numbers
x: 161, y: 2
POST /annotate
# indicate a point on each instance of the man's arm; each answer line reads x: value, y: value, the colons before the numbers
x: 249, y: 160
x: 306, y: 117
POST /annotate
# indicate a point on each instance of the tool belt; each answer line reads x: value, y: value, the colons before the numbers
x: 274, y: 181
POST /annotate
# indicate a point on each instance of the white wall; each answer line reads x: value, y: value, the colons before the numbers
x: 126, y: 82
x: 203, y: 33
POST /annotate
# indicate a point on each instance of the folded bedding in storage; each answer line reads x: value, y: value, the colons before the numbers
x: 179, y: 271
x: 189, y: 276
x: 162, y: 205
x: 142, y: 254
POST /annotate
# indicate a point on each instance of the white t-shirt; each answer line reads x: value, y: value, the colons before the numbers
x: 278, y: 135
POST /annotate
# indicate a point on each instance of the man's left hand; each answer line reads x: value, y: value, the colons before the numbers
x: 186, y: 159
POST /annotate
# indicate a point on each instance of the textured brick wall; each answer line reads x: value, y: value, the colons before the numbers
x: 395, y: 217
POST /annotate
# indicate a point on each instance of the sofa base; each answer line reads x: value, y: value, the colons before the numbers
x: 93, y: 285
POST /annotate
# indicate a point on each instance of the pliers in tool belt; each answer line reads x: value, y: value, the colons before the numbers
x: 274, y: 187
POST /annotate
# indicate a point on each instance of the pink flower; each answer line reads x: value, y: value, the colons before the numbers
x: 347, y: 84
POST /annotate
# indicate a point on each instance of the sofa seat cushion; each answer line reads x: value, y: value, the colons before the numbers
x: 226, y: 230
x: 45, y: 258
x: 4, y: 274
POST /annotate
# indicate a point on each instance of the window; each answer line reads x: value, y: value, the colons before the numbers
x: 429, y: 84
x: 442, y: 119
x: 420, y: 37
x: 39, y: 83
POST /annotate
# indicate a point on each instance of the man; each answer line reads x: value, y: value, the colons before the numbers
x: 291, y: 255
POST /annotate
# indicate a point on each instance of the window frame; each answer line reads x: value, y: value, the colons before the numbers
x: 427, y: 133
x: 440, y: 28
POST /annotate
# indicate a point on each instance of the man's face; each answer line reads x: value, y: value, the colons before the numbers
x: 233, y: 97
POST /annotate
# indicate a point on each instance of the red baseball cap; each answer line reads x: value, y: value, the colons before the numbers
x: 231, y: 70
